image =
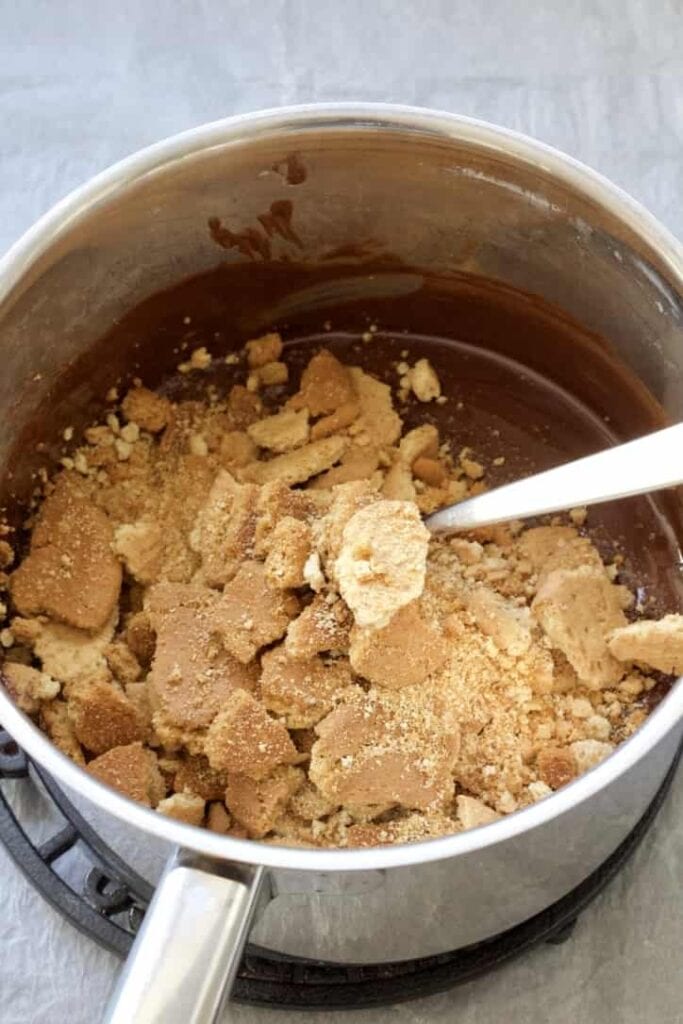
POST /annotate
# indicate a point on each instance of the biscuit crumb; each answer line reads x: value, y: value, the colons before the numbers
x: 263, y: 350
x: 147, y: 410
x: 301, y: 691
x: 424, y: 381
x: 28, y: 686
x: 200, y: 359
x: 404, y: 652
x: 578, y: 608
x: 185, y: 807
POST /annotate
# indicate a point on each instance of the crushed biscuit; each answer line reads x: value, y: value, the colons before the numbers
x: 472, y: 813
x: 290, y: 547
x: 192, y: 674
x: 133, y: 771
x: 298, y: 466
x: 71, y: 574
x: 281, y: 432
x: 578, y: 608
x: 263, y: 350
x: 402, y: 653
x: 102, y: 716
x: 140, y: 548
x: 658, y: 644
x: 186, y: 807
x: 243, y: 738
x: 29, y: 687
x: 242, y: 582
x: 325, y: 386
x: 301, y: 691
x: 424, y: 382
x: 251, y: 612
x: 257, y: 804
x: 272, y: 374
x: 383, y: 561
x: 148, y: 410
x: 224, y: 532
x: 323, y: 625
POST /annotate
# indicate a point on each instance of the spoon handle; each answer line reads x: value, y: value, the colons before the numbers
x: 648, y: 464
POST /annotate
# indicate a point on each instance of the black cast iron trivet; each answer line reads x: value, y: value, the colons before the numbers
x: 111, y: 900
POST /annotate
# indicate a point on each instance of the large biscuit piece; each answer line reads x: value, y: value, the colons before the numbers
x: 243, y: 738
x: 405, y: 652
x: 132, y: 770
x: 380, y: 748
x: 655, y: 643
x: 71, y: 574
x: 192, y: 674
x: 577, y: 609
x: 383, y: 561
x: 301, y: 691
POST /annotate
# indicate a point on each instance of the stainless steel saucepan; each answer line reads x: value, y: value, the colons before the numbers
x: 439, y: 191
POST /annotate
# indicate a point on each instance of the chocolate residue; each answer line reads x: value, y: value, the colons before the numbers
x: 250, y: 242
x: 292, y: 169
x: 278, y: 221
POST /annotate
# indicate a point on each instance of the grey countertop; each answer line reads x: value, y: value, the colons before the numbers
x: 85, y: 82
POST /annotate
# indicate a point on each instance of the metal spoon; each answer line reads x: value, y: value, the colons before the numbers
x: 649, y: 464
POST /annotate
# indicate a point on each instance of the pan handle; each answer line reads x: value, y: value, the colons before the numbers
x: 185, y: 957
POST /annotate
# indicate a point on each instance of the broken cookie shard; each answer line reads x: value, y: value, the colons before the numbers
x: 102, y: 716
x: 410, y: 829
x: 383, y: 749
x: 28, y: 687
x: 192, y: 674
x: 186, y: 807
x: 301, y: 690
x: 133, y: 771
x: 71, y: 574
x: 243, y: 738
x: 325, y: 386
x: 195, y: 775
x: 508, y: 625
x: 378, y: 423
x: 323, y: 626
x: 251, y: 612
x: 300, y: 465
x: 577, y: 608
x: 150, y: 412
x: 282, y: 432
x: 383, y: 560
x: 140, y: 547
x: 658, y: 644
x: 225, y: 529
x: 291, y: 545
x: 263, y: 350
x: 257, y: 805
x: 403, y: 653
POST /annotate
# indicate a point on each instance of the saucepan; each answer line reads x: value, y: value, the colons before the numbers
x: 436, y: 191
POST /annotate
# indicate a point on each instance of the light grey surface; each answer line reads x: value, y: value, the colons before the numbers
x: 82, y: 84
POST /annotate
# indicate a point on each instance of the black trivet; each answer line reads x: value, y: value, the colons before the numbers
x: 110, y: 900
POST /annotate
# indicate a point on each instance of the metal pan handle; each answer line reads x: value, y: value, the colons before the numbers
x: 185, y: 957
